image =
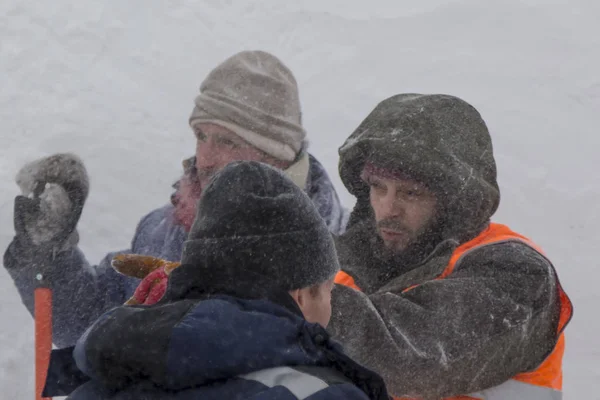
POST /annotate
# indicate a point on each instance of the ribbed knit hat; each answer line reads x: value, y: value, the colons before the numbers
x: 256, y: 225
x: 256, y: 96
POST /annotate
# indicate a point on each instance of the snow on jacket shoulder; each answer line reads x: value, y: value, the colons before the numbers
x: 495, y: 316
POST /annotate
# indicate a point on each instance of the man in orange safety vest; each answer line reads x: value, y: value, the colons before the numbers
x: 439, y: 300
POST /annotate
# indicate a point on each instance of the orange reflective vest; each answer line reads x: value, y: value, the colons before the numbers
x: 545, y: 382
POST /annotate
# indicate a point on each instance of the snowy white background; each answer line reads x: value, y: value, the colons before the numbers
x: 114, y: 82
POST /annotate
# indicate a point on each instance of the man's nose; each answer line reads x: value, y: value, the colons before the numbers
x: 391, y: 206
x: 207, y: 156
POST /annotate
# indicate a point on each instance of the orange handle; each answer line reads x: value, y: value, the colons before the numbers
x: 43, y: 338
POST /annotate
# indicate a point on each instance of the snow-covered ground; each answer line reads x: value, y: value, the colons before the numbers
x: 114, y: 82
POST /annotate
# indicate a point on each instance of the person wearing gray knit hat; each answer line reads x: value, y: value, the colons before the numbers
x: 249, y: 109
x: 254, y: 95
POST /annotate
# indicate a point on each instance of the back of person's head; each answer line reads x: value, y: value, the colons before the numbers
x: 255, y: 228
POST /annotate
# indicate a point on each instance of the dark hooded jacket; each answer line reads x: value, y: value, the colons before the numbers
x: 494, y: 317
x: 201, y: 346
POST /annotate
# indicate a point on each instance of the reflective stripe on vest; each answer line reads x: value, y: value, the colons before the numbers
x: 300, y: 384
x: 545, y: 382
x: 514, y: 389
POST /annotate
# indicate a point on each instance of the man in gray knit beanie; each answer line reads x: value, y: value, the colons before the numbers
x: 249, y: 109
x: 255, y: 96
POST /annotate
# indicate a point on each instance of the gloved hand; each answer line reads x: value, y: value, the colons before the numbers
x: 151, y: 289
x: 153, y: 271
x: 53, y: 192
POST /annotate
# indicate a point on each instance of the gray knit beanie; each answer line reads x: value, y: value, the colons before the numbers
x: 256, y: 96
x: 256, y: 226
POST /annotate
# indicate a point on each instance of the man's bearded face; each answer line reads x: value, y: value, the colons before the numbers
x: 403, y: 208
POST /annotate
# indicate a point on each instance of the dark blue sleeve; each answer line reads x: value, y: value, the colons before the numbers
x: 325, y: 198
x: 80, y: 292
x: 63, y: 374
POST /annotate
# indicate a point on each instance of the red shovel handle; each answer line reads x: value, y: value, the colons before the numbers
x: 43, y: 338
